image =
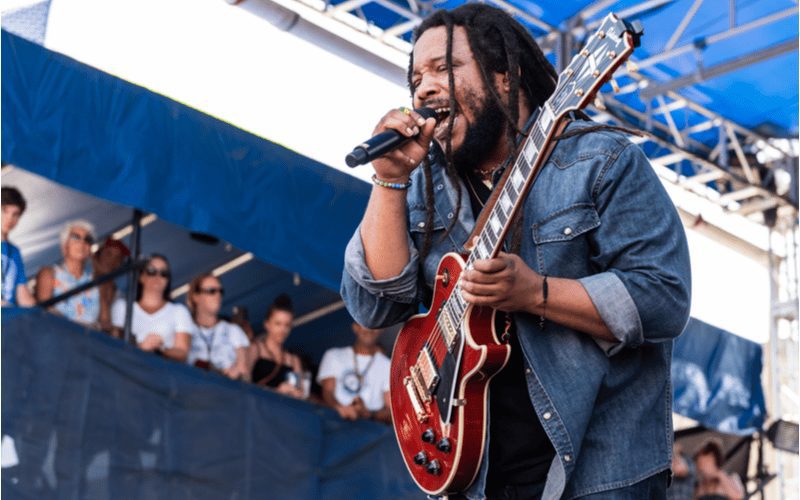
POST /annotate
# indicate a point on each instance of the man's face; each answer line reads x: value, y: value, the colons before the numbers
x: 367, y: 337
x: 430, y: 86
x: 706, y: 465
x: 11, y: 214
x: 109, y: 258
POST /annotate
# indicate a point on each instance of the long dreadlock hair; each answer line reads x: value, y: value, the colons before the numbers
x: 499, y: 45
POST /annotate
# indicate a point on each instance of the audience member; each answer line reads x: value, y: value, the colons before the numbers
x: 158, y: 324
x: 355, y: 379
x: 76, y: 242
x: 713, y: 483
x: 108, y: 258
x: 273, y: 366
x: 14, y: 288
x: 683, y: 475
x: 216, y: 343
x: 240, y: 317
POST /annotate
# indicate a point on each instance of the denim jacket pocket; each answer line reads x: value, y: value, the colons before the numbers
x: 417, y: 220
x: 566, y: 224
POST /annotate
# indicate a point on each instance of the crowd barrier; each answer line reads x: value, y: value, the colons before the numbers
x: 86, y: 416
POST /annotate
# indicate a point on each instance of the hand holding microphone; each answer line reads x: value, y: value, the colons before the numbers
x: 400, y: 142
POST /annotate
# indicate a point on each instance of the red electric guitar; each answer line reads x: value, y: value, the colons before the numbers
x: 443, y: 360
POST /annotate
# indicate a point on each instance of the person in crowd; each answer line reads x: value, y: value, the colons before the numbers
x: 713, y: 483
x: 158, y: 324
x: 240, y: 317
x: 108, y: 257
x: 355, y: 379
x: 591, y: 285
x: 683, y: 475
x: 271, y: 365
x: 77, y: 238
x: 216, y: 343
x: 15, y: 290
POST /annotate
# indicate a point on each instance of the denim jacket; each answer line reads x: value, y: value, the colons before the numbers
x: 599, y: 214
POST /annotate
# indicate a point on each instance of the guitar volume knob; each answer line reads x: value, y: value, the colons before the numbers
x: 421, y: 458
x: 429, y: 436
x: 444, y: 445
x: 434, y: 468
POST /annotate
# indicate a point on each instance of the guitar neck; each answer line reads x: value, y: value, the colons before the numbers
x: 512, y: 191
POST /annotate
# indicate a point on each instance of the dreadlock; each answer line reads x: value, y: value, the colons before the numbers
x: 499, y: 45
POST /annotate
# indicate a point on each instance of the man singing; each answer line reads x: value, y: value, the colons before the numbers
x: 595, y: 283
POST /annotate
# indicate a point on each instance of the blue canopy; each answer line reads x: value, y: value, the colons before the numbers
x: 122, y: 143
x: 760, y: 96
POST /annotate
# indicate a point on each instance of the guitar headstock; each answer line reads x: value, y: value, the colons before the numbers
x: 604, y: 52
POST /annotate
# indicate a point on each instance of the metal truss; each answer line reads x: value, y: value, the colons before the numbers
x: 709, y: 154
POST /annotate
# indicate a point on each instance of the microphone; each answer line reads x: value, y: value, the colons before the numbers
x: 382, y: 143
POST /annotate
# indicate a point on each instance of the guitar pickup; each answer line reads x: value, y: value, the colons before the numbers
x: 419, y: 384
x: 427, y: 369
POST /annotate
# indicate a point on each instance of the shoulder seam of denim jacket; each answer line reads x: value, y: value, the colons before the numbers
x: 603, y: 171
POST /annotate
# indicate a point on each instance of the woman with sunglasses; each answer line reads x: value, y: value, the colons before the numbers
x: 77, y: 238
x: 216, y: 343
x: 272, y: 365
x: 158, y: 324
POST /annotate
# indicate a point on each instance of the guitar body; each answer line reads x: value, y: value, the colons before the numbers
x: 452, y: 467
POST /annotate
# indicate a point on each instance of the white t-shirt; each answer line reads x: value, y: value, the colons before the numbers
x: 217, y: 344
x: 165, y: 322
x: 339, y: 364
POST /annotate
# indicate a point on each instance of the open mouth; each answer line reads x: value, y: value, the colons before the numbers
x: 442, y: 113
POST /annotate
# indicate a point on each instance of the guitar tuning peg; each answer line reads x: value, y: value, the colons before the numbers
x: 599, y: 104
x: 632, y: 67
x: 614, y: 85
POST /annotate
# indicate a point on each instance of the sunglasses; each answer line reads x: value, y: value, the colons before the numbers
x: 211, y: 291
x: 77, y: 237
x: 152, y: 271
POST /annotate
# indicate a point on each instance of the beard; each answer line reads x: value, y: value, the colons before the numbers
x: 481, y: 137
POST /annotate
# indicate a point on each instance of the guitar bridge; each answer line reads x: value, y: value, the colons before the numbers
x: 415, y: 401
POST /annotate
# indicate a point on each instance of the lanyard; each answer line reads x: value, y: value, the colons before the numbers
x: 208, y: 341
x: 360, y: 375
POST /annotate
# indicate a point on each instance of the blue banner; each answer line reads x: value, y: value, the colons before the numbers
x: 716, y: 378
x: 86, y: 416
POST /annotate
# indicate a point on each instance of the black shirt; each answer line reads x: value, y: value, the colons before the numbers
x: 519, y: 450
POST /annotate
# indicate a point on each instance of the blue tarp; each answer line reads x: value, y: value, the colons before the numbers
x: 96, y: 133
x: 716, y: 379
x: 91, y: 417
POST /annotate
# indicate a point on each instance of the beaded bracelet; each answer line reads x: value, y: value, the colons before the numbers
x: 390, y: 185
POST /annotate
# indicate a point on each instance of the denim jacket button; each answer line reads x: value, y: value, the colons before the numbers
x: 450, y: 215
x: 421, y: 225
x: 567, y: 231
x: 439, y: 187
x: 547, y: 415
x: 567, y: 458
x: 528, y: 371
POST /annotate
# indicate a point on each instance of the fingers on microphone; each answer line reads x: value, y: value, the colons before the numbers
x: 399, y: 121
